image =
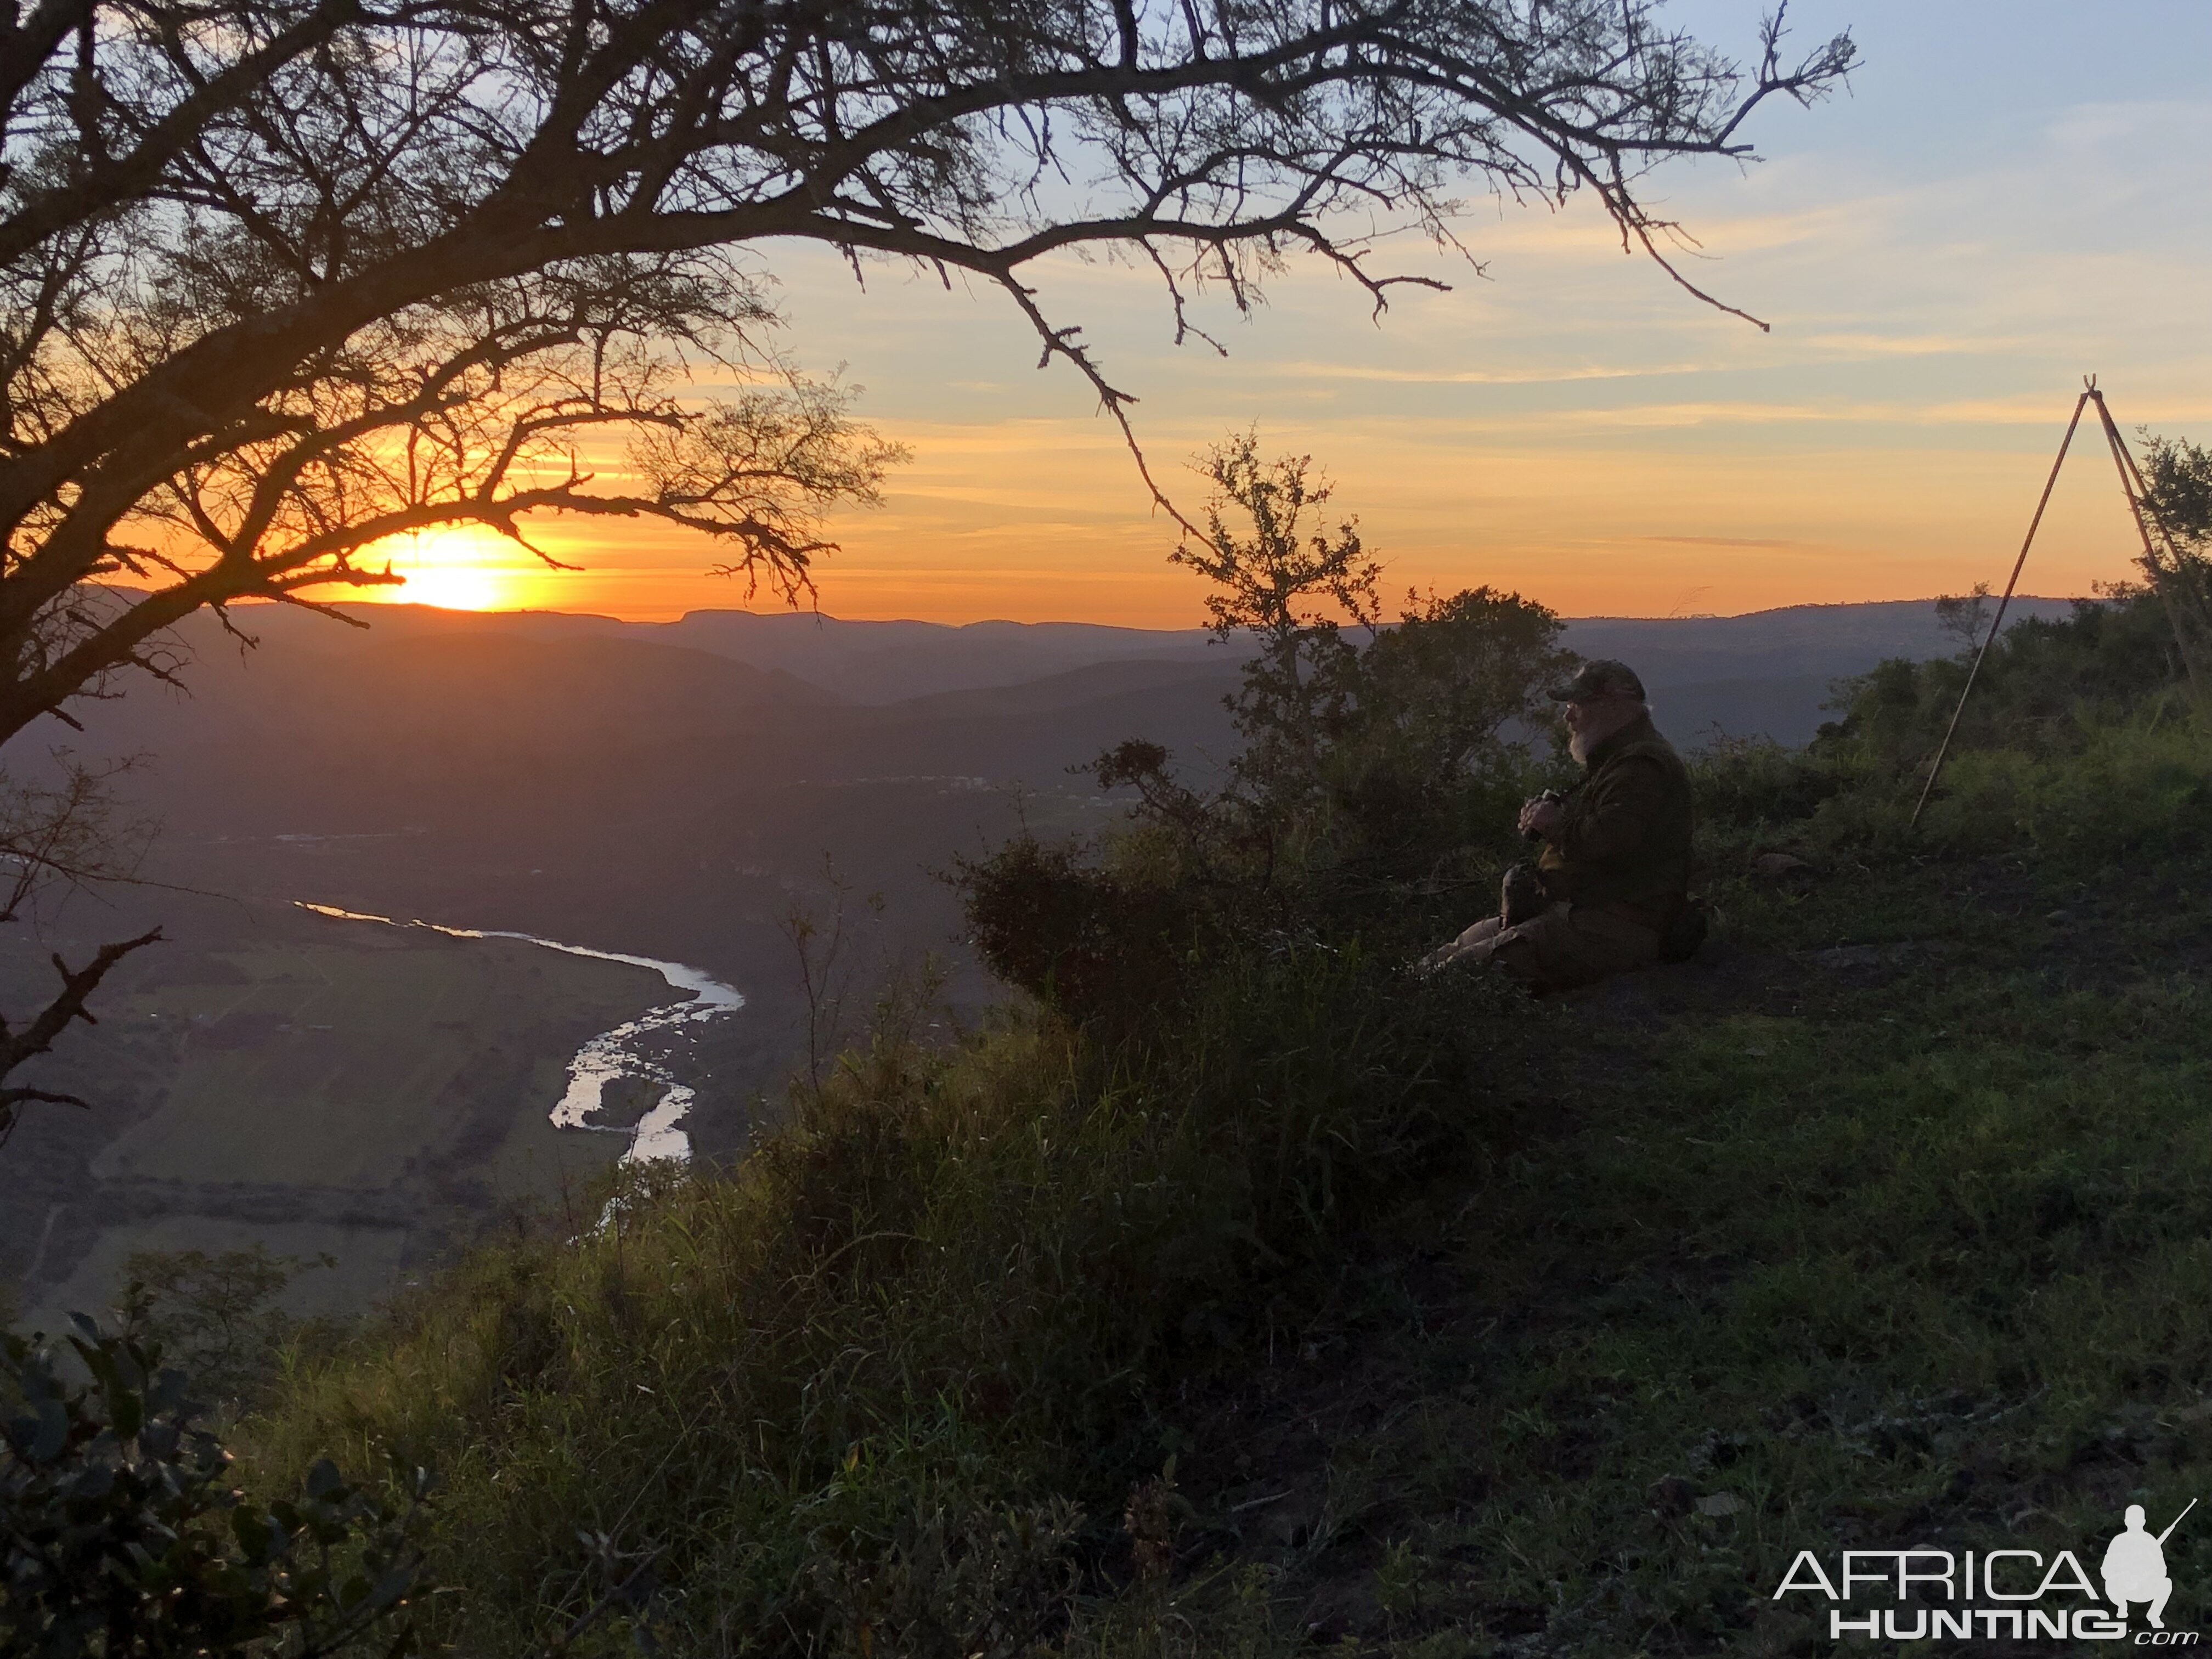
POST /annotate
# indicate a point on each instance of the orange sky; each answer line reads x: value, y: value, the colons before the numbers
x: 1942, y: 255
x: 1055, y: 527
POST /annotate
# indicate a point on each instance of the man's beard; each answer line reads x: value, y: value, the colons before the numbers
x: 1595, y: 732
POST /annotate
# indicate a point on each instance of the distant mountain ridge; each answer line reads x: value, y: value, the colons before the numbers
x: 866, y: 662
x: 1829, y: 639
x: 891, y: 662
x: 426, y: 709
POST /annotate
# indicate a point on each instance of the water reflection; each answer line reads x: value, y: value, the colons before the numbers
x: 643, y: 1048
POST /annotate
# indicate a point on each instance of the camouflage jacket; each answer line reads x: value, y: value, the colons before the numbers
x: 1625, y: 843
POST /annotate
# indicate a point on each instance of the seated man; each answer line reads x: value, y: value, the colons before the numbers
x: 1614, y: 873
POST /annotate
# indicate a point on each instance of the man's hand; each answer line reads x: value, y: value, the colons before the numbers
x: 1541, y: 818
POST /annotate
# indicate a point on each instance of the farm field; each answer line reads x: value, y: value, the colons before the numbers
x: 314, y: 1086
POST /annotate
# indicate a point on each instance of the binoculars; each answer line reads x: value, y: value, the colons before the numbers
x: 1556, y: 799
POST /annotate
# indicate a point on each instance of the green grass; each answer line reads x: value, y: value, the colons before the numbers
x: 1911, y: 1253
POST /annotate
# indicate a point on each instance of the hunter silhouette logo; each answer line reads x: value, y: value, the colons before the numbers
x: 2135, y: 1567
x: 1999, y: 1595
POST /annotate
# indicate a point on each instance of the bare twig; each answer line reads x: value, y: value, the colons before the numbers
x: 38, y: 1038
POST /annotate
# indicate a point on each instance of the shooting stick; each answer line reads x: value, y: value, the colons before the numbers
x: 2185, y: 605
x: 1997, y: 621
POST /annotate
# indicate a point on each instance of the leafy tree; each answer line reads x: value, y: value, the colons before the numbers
x: 1283, y: 579
x: 1418, y: 700
x: 121, y: 1536
x: 1421, y: 698
x: 215, y: 1314
x: 1438, y: 691
x: 1965, y: 617
x: 2177, y: 493
x: 1365, y: 764
x: 2179, y: 474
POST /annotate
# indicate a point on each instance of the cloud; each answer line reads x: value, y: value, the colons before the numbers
x: 1481, y: 377
x: 1725, y: 541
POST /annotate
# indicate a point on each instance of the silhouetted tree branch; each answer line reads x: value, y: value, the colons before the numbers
x: 281, y: 278
x: 284, y: 278
x: 69, y: 831
x: 78, y: 986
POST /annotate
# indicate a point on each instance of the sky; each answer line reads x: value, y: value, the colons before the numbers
x: 2013, y: 194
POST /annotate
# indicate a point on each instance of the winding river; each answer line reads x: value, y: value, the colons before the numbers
x: 643, y: 1048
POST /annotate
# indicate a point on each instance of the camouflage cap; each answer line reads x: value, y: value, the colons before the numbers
x: 1601, y: 677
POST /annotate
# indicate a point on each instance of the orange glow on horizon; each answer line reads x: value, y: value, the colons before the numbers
x: 1939, y: 273
x: 459, y: 567
x: 1046, y: 521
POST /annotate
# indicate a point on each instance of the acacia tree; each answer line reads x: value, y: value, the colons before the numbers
x: 279, y: 278
x: 2178, y: 494
x: 1281, y: 576
x: 1407, y: 712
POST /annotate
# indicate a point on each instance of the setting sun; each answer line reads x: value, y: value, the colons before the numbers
x: 455, y: 588
x: 462, y: 568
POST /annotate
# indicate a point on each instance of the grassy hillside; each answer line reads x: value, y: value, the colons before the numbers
x: 1885, y: 1226
x: 887, y: 1366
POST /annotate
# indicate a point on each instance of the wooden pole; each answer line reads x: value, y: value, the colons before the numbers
x: 1997, y: 621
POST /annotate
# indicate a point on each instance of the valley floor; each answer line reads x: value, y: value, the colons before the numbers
x: 1888, y: 1224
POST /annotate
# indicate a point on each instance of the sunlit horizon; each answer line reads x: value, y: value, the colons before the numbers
x: 1991, y: 215
x: 1640, y: 546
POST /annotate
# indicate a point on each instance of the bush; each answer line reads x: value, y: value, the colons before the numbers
x: 121, y: 1534
x: 2042, y: 687
x: 1747, y: 783
x: 2127, y: 786
x: 2079, y: 742
x: 1050, y: 922
x: 2114, y: 787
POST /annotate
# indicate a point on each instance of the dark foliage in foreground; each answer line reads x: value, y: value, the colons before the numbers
x: 121, y: 1533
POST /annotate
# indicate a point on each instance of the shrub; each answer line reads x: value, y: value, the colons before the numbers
x: 121, y: 1534
x: 1750, y: 782
x: 2041, y: 688
x: 2128, y: 786
x: 2079, y: 742
x: 1050, y: 922
x: 2113, y: 785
